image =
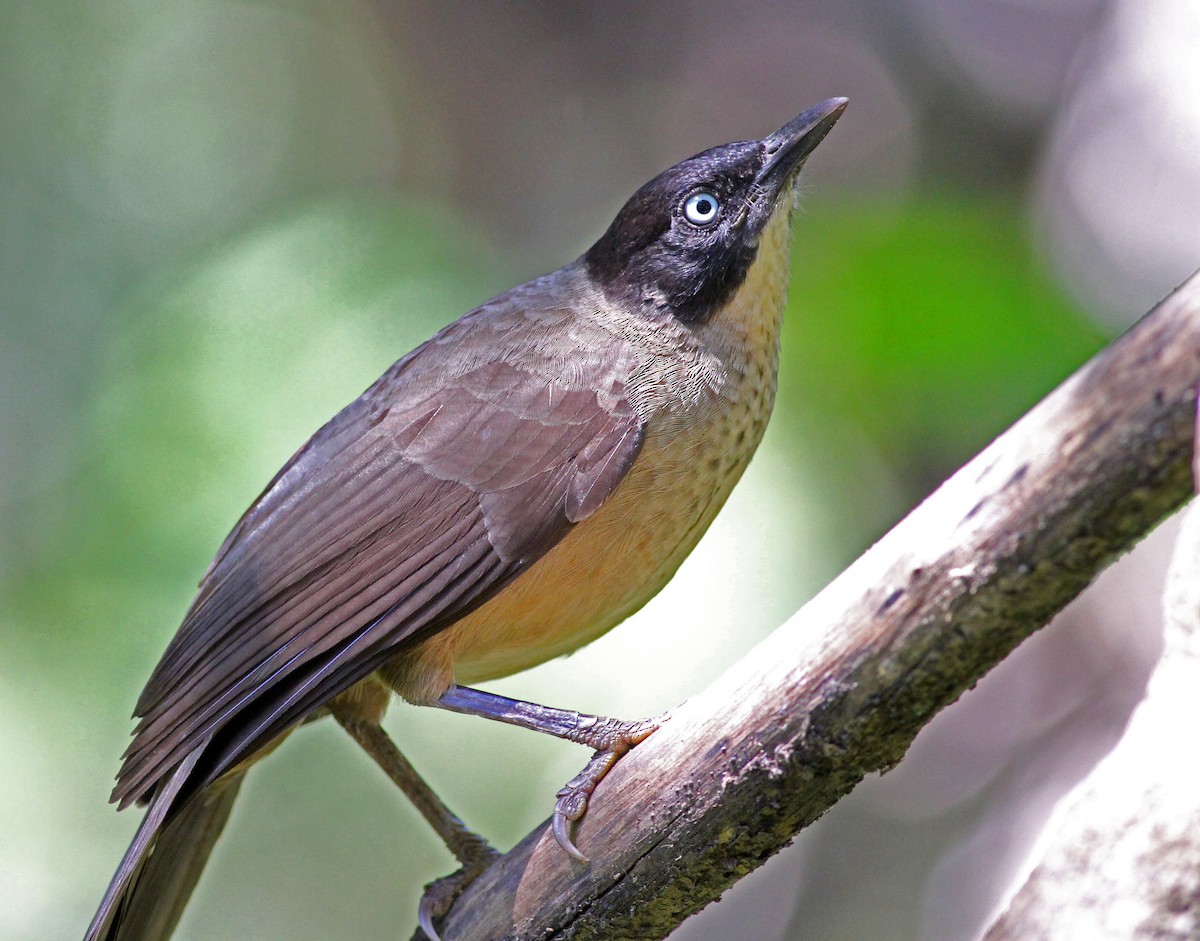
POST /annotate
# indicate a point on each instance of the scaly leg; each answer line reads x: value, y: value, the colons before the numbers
x: 611, y: 738
x: 471, y: 850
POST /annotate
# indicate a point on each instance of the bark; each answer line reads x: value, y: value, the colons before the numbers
x: 844, y: 686
x: 1122, y: 861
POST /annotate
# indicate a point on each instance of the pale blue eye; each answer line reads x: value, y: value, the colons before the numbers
x: 701, y: 208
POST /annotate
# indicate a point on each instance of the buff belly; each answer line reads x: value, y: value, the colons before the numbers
x: 608, y: 566
x: 615, y: 561
x: 604, y: 570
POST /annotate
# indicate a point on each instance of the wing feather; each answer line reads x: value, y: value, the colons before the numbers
x: 461, y: 466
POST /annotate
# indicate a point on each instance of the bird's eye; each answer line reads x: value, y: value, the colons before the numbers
x: 701, y: 208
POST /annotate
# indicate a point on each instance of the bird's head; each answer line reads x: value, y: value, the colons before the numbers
x: 684, y: 242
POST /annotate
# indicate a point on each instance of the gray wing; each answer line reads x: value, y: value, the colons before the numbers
x: 458, y: 469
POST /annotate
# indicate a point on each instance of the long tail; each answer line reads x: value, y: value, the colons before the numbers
x: 163, y: 863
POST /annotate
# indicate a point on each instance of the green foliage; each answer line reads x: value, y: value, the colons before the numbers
x: 928, y: 326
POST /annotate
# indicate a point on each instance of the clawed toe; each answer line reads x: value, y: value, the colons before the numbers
x: 612, y: 739
x: 441, y: 894
x: 570, y: 806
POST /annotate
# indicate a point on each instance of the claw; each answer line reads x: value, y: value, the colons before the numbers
x: 441, y: 894
x: 562, y: 833
x: 614, y: 740
x: 425, y: 916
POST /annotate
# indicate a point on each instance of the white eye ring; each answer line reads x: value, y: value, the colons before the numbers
x: 701, y: 208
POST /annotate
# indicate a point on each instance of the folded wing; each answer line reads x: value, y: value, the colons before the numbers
x: 458, y: 469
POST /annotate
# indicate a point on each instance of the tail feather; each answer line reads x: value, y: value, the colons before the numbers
x: 160, y: 869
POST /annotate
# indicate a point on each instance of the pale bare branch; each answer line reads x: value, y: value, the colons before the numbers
x: 842, y: 688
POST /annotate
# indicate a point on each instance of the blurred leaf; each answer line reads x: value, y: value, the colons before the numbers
x: 928, y: 326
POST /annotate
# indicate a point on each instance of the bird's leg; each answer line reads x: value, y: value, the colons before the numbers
x: 611, y: 738
x: 471, y: 850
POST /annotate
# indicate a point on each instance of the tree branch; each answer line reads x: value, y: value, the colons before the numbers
x: 1120, y: 860
x: 844, y: 686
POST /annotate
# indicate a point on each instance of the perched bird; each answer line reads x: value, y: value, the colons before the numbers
x: 505, y: 493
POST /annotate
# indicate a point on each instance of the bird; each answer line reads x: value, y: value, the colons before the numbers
x: 507, y: 492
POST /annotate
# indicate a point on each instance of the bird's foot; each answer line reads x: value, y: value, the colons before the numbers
x: 611, y: 738
x: 441, y: 894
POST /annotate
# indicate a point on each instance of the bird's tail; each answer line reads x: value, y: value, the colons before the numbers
x: 163, y: 863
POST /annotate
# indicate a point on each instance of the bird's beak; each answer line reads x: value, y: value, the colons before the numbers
x: 787, y: 148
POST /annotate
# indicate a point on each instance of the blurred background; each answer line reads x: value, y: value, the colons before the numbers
x: 220, y: 221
